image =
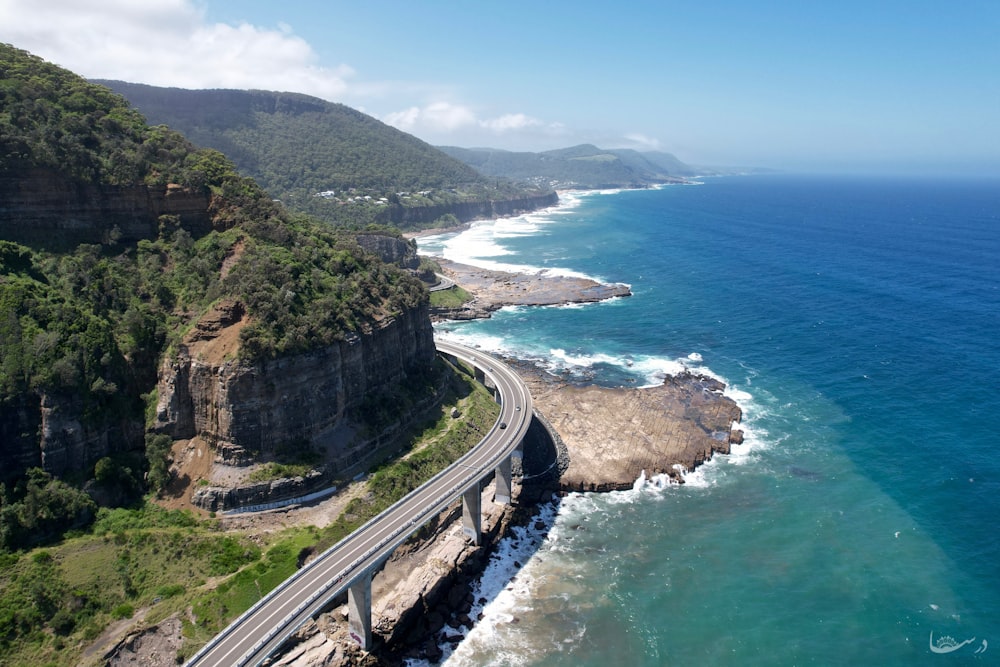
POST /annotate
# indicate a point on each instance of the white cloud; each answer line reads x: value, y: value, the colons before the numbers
x: 511, y: 121
x: 440, y: 118
x: 446, y: 116
x: 166, y: 43
x: 436, y: 117
x: 171, y: 43
x: 641, y: 141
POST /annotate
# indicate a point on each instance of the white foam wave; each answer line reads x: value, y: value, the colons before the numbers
x: 482, y: 243
x: 503, y: 594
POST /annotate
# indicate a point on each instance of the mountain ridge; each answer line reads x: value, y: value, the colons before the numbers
x: 581, y: 166
x: 320, y: 157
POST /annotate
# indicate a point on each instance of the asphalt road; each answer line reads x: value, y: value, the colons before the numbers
x: 266, y: 625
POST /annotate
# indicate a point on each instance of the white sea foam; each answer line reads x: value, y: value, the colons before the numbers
x: 503, y: 594
x: 482, y: 243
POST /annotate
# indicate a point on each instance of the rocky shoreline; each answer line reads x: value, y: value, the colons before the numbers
x: 493, y: 290
x: 585, y: 438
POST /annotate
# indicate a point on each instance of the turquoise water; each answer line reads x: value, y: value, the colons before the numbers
x: 857, y: 322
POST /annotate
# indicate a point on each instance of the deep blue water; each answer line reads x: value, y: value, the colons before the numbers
x: 857, y: 323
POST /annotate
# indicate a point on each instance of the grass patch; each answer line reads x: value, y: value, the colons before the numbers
x: 54, y: 601
x: 450, y: 298
x: 216, y: 608
x: 272, y: 471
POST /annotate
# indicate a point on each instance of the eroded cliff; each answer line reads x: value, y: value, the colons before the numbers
x: 43, y: 208
x: 245, y: 409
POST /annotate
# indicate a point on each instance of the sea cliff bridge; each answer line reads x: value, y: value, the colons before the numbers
x: 349, y: 564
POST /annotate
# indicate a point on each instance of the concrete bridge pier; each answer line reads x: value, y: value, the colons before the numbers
x: 472, y: 514
x: 359, y: 610
x: 501, y: 495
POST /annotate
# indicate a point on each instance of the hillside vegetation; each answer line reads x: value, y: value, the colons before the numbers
x: 583, y: 166
x: 84, y: 330
x: 318, y: 157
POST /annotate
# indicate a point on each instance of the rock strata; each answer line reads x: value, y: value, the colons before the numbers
x: 46, y: 209
x: 258, y: 406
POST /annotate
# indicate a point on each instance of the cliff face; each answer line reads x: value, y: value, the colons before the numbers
x: 42, y: 208
x: 49, y: 431
x: 256, y: 407
x: 468, y: 211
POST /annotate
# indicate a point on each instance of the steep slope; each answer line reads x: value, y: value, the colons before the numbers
x: 123, y: 249
x: 319, y: 157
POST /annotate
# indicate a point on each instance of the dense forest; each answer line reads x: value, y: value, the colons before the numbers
x: 318, y: 157
x: 88, y: 327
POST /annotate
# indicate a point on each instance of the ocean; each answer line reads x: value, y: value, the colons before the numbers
x: 857, y: 323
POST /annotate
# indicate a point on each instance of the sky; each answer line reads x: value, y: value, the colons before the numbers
x: 881, y: 85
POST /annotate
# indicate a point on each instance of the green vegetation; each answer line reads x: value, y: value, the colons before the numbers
x: 271, y: 471
x: 53, y: 119
x: 40, y: 508
x: 450, y: 298
x: 317, y: 157
x: 87, y: 328
x: 583, y: 166
x: 52, y: 600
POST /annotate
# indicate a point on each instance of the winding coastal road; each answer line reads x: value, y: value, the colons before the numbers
x: 264, y: 627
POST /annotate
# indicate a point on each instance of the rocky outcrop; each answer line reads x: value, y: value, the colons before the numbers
x: 216, y: 498
x: 415, y: 216
x: 390, y: 249
x: 156, y: 646
x: 616, y: 435
x: 46, y: 209
x: 263, y: 405
x: 494, y: 290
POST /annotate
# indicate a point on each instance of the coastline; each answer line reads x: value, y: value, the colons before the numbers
x: 492, y: 290
x: 429, y: 594
x: 603, y: 439
x: 613, y: 436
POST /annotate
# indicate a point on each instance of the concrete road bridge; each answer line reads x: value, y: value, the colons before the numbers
x: 349, y: 564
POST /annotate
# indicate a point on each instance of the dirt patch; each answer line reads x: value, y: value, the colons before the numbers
x: 153, y: 647
x: 192, y: 463
x: 216, y: 336
x: 229, y: 261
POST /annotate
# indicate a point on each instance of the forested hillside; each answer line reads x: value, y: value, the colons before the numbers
x: 83, y: 329
x: 319, y: 157
x: 583, y: 166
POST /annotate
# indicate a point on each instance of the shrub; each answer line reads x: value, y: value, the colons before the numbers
x: 124, y: 610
